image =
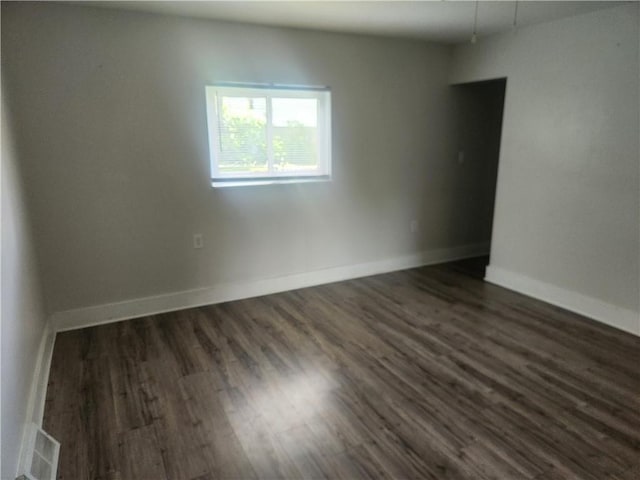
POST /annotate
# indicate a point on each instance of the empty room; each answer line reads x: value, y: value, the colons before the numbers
x: 342, y: 240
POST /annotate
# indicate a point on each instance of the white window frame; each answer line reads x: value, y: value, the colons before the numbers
x: 214, y: 94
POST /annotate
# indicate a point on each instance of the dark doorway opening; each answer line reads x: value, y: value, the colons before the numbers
x: 479, y: 113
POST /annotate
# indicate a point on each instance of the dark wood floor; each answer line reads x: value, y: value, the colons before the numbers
x: 428, y: 373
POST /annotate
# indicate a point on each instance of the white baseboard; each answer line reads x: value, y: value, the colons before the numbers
x: 113, y: 312
x: 617, y: 317
x: 42, y: 375
x: 38, y: 390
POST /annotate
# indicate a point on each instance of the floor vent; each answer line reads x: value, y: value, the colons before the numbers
x: 41, y: 455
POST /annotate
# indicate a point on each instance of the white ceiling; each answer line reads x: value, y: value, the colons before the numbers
x: 439, y: 21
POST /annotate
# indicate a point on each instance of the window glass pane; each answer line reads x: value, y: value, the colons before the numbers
x: 276, y: 134
x: 295, y: 134
x: 243, y: 135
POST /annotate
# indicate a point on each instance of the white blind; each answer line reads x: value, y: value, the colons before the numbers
x: 242, y: 123
x: 295, y: 134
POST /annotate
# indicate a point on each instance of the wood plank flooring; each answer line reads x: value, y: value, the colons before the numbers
x: 427, y: 373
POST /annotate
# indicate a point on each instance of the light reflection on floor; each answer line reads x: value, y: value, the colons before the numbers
x: 280, y: 412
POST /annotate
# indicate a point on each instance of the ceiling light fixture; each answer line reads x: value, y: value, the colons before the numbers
x: 515, y: 17
x: 474, y: 37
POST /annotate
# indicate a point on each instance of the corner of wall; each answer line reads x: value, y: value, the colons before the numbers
x: 612, y: 315
x: 26, y: 336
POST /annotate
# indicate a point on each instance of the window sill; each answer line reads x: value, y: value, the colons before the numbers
x: 250, y: 182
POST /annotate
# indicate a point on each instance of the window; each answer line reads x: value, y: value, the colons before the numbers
x: 260, y: 134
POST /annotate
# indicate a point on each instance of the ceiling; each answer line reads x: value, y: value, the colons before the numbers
x: 439, y: 21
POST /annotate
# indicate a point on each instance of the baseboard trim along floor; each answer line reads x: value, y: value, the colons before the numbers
x: 113, y: 312
x: 614, y: 316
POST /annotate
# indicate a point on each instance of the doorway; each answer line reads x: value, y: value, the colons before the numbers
x: 479, y: 108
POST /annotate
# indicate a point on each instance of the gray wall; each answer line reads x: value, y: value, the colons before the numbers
x: 23, y: 318
x: 111, y: 116
x: 567, y: 209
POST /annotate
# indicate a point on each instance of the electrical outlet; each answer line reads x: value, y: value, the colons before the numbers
x: 413, y: 226
x: 198, y: 240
